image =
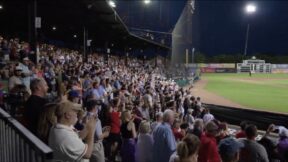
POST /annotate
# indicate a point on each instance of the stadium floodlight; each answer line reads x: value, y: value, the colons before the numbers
x: 250, y: 8
x: 75, y: 36
x: 112, y: 3
x: 1, y: 7
x: 147, y: 2
x: 54, y: 28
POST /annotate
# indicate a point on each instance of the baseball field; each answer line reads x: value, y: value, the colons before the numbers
x: 268, y: 92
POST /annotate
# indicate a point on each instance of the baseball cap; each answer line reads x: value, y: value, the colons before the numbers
x: 229, y: 146
x: 190, y: 111
x: 25, y: 59
x: 73, y: 93
x: 18, y: 68
x: 67, y: 106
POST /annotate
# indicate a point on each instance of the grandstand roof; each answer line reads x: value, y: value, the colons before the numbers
x: 103, y: 24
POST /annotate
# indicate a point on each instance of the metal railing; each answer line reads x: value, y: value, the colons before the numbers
x: 17, y: 144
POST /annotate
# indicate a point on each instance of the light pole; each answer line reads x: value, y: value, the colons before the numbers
x: 249, y: 9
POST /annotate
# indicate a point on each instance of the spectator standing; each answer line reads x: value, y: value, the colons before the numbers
x: 144, y: 143
x: 198, y: 128
x: 114, y: 138
x: 229, y: 149
x: 189, y: 118
x: 270, y: 144
x: 35, y: 104
x: 128, y: 132
x: 65, y: 142
x: 159, y: 120
x: 208, y: 150
x: 282, y: 145
x: 26, y: 78
x: 16, y: 78
x: 207, y: 116
x: 198, y: 100
x: 187, y: 149
x: 74, y: 96
x: 47, y: 119
x: 177, y: 130
x: 98, y: 149
x: 241, y: 133
x: 252, y: 151
x: 164, y: 140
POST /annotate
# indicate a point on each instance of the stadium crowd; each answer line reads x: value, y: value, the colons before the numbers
x: 111, y: 109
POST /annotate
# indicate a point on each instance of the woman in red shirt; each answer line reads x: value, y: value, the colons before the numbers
x: 177, y: 130
x: 114, y: 138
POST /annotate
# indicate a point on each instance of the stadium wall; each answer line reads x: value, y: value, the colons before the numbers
x: 235, y: 116
x: 280, y: 68
x: 231, y: 68
x: 215, y: 68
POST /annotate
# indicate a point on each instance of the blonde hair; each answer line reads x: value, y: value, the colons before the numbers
x: 124, y: 115
x: 47, y: 119
x: 188, y: 146
x: 144, y: 127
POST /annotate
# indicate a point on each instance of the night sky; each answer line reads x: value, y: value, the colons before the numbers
x: 219, y: 27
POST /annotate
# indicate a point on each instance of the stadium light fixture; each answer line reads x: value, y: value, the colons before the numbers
x: 112, y: 3
x: 54, y: 28
x: 147, y: 2
x: 75, y: 36
x: 250, y: 8
x: 1, y: 7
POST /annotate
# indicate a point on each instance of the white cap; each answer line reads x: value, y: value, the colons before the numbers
x: 25, y: 59
x: 18, y: 68
x: 190, y: 111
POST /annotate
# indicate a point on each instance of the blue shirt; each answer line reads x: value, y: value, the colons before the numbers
x: 164, y: 143
x: 117, y: 84
x: 96, y: 94
x: 101, y: 91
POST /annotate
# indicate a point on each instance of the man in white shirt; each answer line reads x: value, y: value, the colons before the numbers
x: 65, y: 142
x: 207, y: 117
x: 26, y: 78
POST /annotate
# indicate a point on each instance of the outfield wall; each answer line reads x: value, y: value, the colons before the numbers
x: 214, y: 68
x: 231, y: 68
x: 280, y: 68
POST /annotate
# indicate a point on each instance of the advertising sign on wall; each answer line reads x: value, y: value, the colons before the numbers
x: 280, y: 68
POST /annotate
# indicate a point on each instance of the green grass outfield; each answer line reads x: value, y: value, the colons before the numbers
x: 261, y: 91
